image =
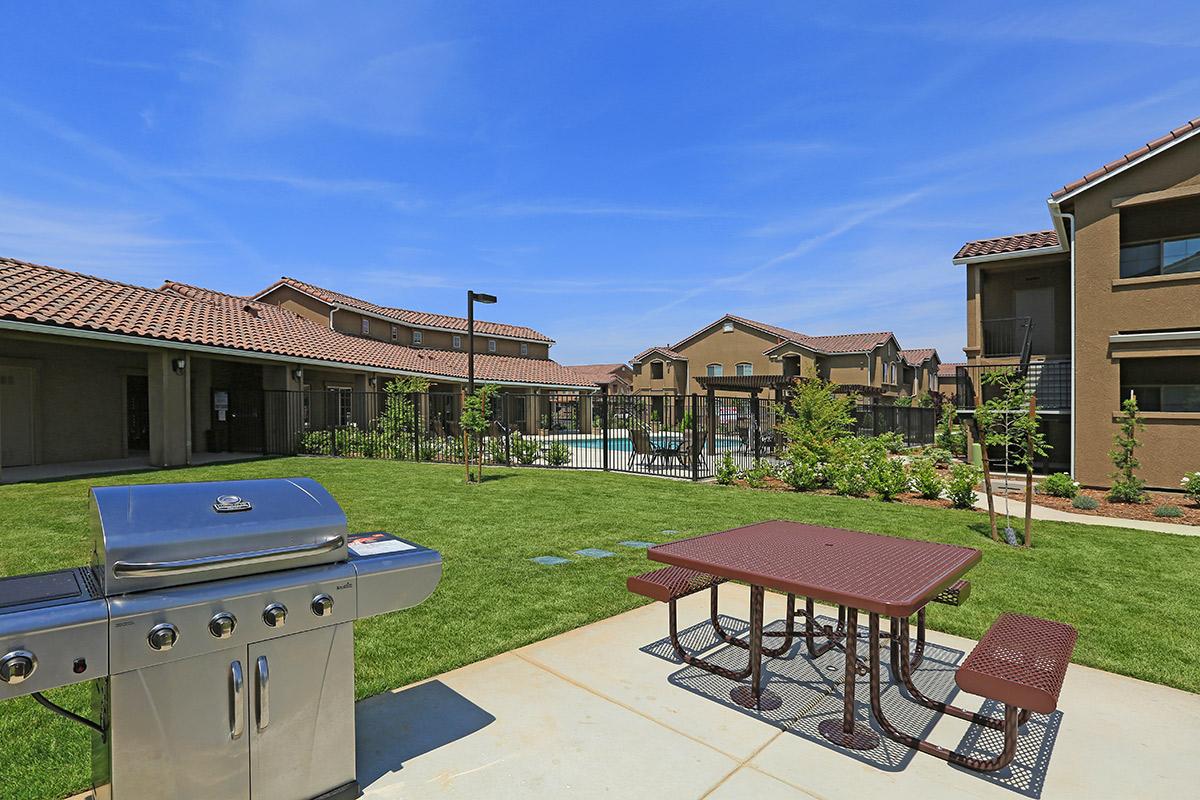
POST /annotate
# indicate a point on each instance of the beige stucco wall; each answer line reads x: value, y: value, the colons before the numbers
x: 728, y: 348
x: 1105, y: 305
x: 79, y: 395
x: 673, y: 381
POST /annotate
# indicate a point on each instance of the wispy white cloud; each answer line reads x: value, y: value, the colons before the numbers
x: 399, y: 195
x: 585, y: 208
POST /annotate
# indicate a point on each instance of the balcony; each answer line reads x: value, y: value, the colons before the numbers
x: 1050, y: 382
x: 1007, y: 337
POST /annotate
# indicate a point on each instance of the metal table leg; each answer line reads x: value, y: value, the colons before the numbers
x: 846, y: 731
x: 754, y: 696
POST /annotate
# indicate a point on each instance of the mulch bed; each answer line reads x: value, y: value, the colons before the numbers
x: 1144, y: 511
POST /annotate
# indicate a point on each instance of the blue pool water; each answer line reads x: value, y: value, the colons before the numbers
x: 626, y: 445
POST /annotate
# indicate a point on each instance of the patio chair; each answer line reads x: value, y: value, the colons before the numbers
x: 684, y: 451
x: 645, y: 449
x: 438, y: 429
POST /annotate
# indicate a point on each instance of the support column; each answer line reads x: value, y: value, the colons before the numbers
x: 170, y: 408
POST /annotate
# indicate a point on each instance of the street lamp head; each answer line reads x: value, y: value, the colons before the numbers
x: 483, y: 298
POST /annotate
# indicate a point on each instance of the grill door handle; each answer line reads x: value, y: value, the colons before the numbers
x: 264, y: 693
x: 135, y: 569
x: 237, y: 684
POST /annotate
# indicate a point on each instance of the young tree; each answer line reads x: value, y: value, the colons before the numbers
x: 1012, y: 421
x: 816, y: 417
x: 475, y: 418
x: 1127, y: 487
x: 398, y: 423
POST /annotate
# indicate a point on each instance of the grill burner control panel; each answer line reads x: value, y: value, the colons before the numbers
x: 53, y: 631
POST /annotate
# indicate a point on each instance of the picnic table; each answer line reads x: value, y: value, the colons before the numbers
x: 879, y: 575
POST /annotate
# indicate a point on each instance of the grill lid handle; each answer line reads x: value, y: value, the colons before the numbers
x: 135, y: 569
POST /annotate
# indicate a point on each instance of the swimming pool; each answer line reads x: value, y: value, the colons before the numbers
x: 626, y: 445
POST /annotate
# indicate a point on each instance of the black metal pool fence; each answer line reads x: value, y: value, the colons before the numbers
x: 685, y: 436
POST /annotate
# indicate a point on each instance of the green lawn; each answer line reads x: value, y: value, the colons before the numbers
x: 1131, y: 594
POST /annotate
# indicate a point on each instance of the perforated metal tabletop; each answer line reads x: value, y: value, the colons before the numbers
x: 880, y: 574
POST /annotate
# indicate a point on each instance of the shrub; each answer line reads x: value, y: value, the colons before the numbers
x: 523, y: 449
x: 949, y: 435
x: 961, y: 486
x: 1168, y: 511
x: 1127, y: 487
x: 317, y: 443
x: 1085, y: 503
x: 1060, y: 484
x: 853, y: 463
x: 889, y: 479
x: 817, y: 419
x: 1191, y: 486
x: 727, y: 471
x: 804, y: 474
x: 558, y: 455
x: 757, y: 475
x: 940, y: 456
x: 496, y: 452
x: 925, y: 479
x: 892, y: 441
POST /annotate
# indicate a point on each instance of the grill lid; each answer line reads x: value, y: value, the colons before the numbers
x: 156, y: 535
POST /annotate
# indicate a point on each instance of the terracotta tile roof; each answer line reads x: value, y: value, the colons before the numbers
x: 602, y: 373
x: 1183, y: 130
x: 1007, y: 244
x: 192, y: 315
x: 839, y: 343
x: 950, y: 369
x: 418, y: 318
x: 664, y: 349
x: 917, y: 357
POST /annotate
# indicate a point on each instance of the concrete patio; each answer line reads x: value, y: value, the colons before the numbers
x: 605, y: 710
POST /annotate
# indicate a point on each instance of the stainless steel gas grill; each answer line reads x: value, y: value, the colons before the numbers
x: 218, y: 620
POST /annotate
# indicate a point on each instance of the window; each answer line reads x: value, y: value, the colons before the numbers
x: 714, y: 370
x: 491, y: 345
x: 524, y: 349
x: 1167, y: 257
x: 656, y: 370
x: 395, y: 333
x: 727, y: 327
x: 343, y: 402
x: 366, y: 326
x: 416, y: 337
x: 457, y: 342
x: 1162, y: 384
x: 744, y: 369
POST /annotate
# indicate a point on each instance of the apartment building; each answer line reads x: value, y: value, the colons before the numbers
x: 870, y: 364
x: 93, y: 369
x: 610, y: 379
x: 1103, y: 304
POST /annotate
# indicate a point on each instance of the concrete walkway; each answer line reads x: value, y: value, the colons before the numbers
x: 1053, y: 514
x: 605, y: 711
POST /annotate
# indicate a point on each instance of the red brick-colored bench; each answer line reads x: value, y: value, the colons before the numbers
x: 671, y: 583
x: 1021, y: 661
x: 954, y: 595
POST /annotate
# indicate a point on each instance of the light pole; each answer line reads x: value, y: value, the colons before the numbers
x: 472, y: 299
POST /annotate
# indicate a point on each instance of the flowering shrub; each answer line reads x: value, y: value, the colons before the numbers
x: 727, y: 471
x: 889, y: 479
x: 805, y: 473
x: 1191, y: 486
x: 756, y: 476
x: 961, y: 487
x: 940, y: 456
x: 853, y: 463
x: 1060, y: 484
x: 925, y: 479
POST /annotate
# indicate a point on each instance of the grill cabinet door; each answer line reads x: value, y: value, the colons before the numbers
x: 173, y: 730
x: 301, y: 722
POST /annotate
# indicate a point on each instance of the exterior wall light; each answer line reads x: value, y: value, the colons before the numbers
x: 178, y: 365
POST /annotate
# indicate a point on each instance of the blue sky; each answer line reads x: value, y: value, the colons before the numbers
x: 618, y: 173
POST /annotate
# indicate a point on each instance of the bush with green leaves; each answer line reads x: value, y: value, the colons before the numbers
x: 1173, y: 512
x: 961, y: 486
x: 817, y: 418
x: 940, y: 456
x: 948, y: 434
x: 926, y: 481
x: 525, y: 451
x: 853, y: 463
x: 1060, y: 484
x: 1127, y: 487
x: 727, y: 471
x: 496, y: 451
x: 1191, y: 486
x: 1085, y: 503
x: 757, y: 475
x: 890, y: 479
x: 892, y: 442
x: 804, y: 474
x: 558, y: 455
x: 317, y: 443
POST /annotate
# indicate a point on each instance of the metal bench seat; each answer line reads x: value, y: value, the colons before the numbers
x: 1021, y: 661
x: 954, y: 595
x: 671, y: 583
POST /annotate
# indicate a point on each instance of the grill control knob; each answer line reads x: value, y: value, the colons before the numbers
x: 222, y: 625
x: 275, y: 615
x: 163, y: 636
x: 322, y: 605
x: 17, y: 666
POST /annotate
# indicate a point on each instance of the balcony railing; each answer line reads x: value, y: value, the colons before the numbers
x: 1006, y: 337
x: 1050, y: 381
